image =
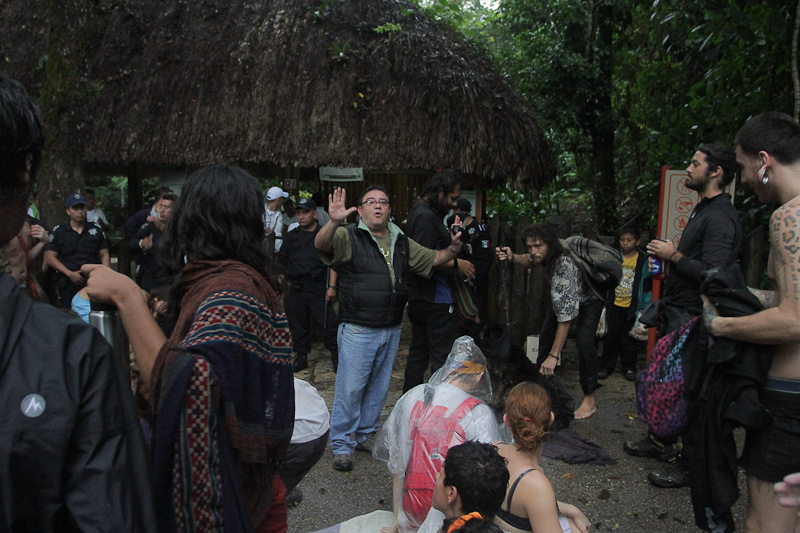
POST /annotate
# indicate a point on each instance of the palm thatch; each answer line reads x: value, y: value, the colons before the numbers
x: 307, y: 83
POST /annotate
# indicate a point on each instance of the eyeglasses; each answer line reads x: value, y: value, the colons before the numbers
x: 370, y: 202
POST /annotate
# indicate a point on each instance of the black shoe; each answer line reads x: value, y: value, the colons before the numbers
x: 343, y: 462
x: 367, y: 445
x: 630, y: 375
x: 294, y: 497
x: 674, y: 475
x: 300, y: 363
x: 603, y: 373
x: 651, y: 447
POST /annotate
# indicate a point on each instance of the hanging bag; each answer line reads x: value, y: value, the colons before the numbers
x: 660, y: 386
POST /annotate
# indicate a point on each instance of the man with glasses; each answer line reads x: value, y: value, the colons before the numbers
x: 374, y: 259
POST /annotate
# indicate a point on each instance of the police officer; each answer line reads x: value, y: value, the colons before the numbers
x: 72, y: 245
x: 310, y: 289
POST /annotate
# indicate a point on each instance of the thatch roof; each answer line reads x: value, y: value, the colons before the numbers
x: 305, y: 83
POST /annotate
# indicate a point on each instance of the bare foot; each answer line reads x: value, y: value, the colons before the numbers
x: 587, y: 408
x: 583, y: 412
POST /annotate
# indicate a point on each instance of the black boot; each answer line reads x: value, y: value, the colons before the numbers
x: 300, y: 362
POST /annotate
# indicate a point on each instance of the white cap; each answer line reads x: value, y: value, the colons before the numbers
x: 276, y: 192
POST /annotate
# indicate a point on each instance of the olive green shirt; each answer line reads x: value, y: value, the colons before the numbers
x: 420, y: 259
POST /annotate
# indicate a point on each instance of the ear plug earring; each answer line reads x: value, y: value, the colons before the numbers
x: 764, y: 175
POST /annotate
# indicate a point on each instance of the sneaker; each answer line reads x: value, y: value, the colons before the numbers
x: 672, y: 476
x: 367, y: 445
x: 294, y: 497
x: 343, y: 462
x: 630, y: 375
x: 603, y: 373
x: 651, y: 447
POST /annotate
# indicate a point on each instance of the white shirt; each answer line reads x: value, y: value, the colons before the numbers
x: 96, y: 214
x: 274, y: 221
x: 311, y: 416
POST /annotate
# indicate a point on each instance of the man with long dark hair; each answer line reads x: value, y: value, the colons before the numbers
x: 571, y: 300
x: 431, y: 305
x: 72, y: 457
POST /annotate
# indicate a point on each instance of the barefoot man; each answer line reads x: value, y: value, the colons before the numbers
x: 571, y: 300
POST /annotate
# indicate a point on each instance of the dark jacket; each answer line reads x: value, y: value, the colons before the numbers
x: 366, y: 294
x: 299, y: 261
x: 150, y: 272
x: 723, y: 393
x: 80, y: 463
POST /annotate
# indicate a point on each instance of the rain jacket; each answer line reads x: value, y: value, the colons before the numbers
x: 72, y: 456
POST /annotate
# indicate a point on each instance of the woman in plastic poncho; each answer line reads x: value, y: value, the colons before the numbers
x: 426, y: 422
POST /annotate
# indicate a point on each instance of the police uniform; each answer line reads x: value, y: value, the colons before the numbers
x: 75, y: 250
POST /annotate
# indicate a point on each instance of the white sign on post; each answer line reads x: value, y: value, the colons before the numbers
x: 677, y: 202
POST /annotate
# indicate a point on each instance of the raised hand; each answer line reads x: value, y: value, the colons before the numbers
x: 337, y: 207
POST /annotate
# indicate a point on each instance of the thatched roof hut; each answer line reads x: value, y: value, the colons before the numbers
x: 292, y: 83
x: 306, y: 83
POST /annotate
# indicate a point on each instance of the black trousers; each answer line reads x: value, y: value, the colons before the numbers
x: 586, y: 339
x: 618, y: 344
x: 307, y: 304
x: 300, y: 458
x: 434, y: 328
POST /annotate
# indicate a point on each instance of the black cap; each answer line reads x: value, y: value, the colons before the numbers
x: 306, y: 204
x: 462, y: 204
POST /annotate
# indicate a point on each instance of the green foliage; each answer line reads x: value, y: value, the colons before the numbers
x: 389, y: 27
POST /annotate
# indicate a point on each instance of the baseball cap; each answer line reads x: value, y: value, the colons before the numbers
x: 306, y: 204
x: 75, y: 199
x: 276, y: 192
x: 462, y: 204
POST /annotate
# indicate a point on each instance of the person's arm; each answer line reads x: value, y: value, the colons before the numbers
x: 554, y: 356
x: 146, y: 338
x: 776, y: 325
x: 338, y: 212
x: 504, y: 253
x: 397, y: 500
x: 105, y: 257
x: 52, y: 260
x: 41, y: 236
x: 576, y: 515
x: 330, y: 291
x: 719, y: 238
x: 445, y: 257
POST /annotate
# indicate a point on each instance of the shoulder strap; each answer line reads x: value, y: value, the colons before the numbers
x: 514, y: 488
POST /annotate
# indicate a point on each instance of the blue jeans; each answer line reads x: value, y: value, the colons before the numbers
x: 366, y: 358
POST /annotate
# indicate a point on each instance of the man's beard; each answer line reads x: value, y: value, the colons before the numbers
x: 699, y: 185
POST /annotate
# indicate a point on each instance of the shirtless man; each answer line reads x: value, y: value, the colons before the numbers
x: 768, y: 147
x: 18, y: 254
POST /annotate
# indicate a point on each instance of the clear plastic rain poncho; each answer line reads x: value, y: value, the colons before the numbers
x: 430, y: 419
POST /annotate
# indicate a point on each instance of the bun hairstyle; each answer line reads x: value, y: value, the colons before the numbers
x: 528, y: 415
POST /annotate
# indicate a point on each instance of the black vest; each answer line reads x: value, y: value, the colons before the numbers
x: 366, y: 295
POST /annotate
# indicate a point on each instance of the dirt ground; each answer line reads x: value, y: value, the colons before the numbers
x: 614, y: 498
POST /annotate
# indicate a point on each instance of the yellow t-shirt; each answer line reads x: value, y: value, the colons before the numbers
x: 623, y: 294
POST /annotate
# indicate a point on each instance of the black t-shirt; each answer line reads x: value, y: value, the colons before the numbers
x: 427, y: 228
x: 77, y: 249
